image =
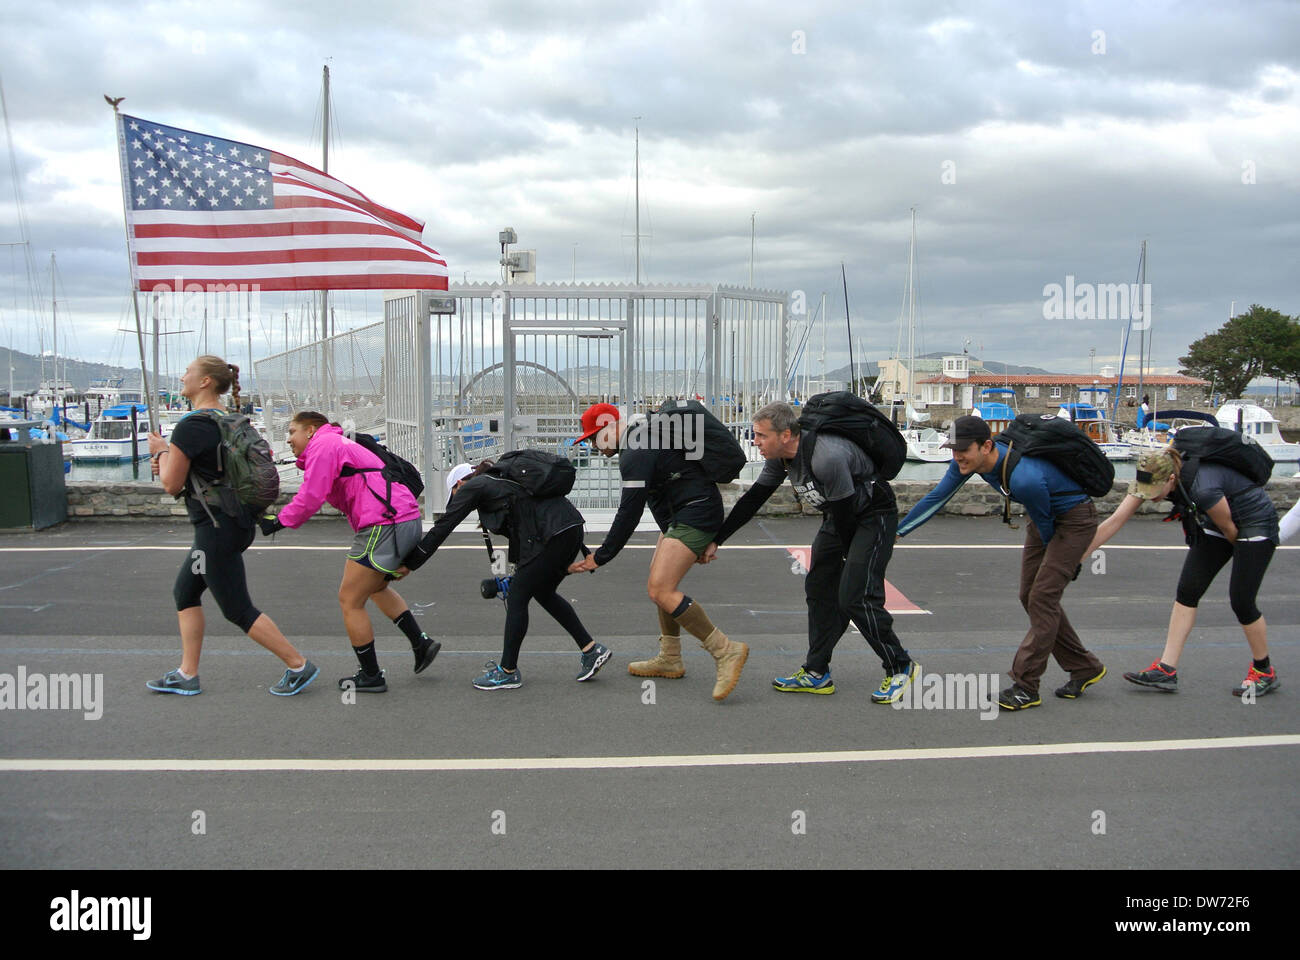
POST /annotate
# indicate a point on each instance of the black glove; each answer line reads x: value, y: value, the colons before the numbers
x: 270, y: 525
x: 1077, y: 571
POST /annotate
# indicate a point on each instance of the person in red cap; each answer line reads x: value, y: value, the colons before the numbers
x: 688, y: 510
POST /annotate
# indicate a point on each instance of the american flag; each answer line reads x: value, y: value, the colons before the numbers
x: 207, y: 211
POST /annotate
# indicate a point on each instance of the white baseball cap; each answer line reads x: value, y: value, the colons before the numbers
x: 458, y: 473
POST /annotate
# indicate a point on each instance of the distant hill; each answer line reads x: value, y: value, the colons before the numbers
x: 27, y: 372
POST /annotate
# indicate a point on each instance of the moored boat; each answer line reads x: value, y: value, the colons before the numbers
x: 1255, y: 423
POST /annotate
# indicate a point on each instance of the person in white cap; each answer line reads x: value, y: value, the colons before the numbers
x: 545, y: 535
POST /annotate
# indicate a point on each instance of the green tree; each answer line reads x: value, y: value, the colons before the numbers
x: 1259, y: 343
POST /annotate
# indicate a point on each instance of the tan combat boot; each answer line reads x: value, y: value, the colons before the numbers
x: 730, y: 656
x: 667, y: 663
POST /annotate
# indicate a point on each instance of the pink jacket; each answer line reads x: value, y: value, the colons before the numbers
x: 327, y: 453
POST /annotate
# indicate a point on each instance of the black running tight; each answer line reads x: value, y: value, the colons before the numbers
x: 1208, y: 555
x: 216, y: 563
x: 538, y: 579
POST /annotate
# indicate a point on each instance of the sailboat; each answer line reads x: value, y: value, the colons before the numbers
x: 924, y: 444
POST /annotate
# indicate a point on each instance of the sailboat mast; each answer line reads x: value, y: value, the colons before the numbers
x: 1142, y: 330
x: 911, y: 322
x: 637, y: 164
x: 54, y: 315
x: 848, y: 324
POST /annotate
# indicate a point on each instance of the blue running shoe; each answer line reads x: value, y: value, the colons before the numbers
x: 292, y: 683
x: 804, y: 682
x: 891, y: 688
x: 498, y: 679
x: 173, y: 682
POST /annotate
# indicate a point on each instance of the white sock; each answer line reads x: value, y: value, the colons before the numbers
x: 299, y: 669
x: 183, y: 674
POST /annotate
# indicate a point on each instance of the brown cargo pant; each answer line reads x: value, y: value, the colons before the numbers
x: 1045, y: 572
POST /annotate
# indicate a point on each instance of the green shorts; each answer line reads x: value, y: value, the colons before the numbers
x: 693, y: 537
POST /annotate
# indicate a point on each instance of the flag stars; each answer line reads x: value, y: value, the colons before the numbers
x: 262, y: 201
x: 139, y: 181
x: 213, y: 200
x: 152, y: 171
x: 234, y: 151
x: 134, y: 125
x: 193, y: 201
x: 258, y: 158
x: 153, y: 191
x: 167, y: 201
x: 208, y: 147
x: 239, y: 201
x: 139, y: 162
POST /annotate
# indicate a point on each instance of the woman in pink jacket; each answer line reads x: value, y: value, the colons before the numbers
x: 339, y: 471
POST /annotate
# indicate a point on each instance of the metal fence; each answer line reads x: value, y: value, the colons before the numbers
x: 515, y: 367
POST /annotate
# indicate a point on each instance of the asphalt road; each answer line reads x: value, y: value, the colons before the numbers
x: 436, y: 774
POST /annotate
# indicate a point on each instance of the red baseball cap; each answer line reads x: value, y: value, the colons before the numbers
x: 595, y: 418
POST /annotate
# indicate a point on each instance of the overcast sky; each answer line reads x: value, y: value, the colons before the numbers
x: 1036, y: 140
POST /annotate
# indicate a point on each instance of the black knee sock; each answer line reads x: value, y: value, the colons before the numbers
x: 366, y: 656
x: 406, y: 623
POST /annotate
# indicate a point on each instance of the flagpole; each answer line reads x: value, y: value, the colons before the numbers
x: 130, y: 256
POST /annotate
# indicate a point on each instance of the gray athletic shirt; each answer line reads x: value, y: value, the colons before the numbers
x: 840, y: 466
x: 1252, y: 511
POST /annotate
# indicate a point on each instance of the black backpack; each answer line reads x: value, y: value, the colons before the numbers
x: 1225, y: 447
x: 723, y: 457
x: 394, y: 470
x: 847, y: 415
x: 540, y: 473
x: 1057, y: 440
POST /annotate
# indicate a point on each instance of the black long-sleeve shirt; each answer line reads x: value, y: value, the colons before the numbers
x: 676, y: 489
x: 505, y: 508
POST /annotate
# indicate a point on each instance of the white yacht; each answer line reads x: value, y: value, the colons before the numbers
x: 110, y: 435
x: 1256, y: 423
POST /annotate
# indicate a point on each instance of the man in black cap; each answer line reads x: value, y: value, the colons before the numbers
x: 1063, y: 521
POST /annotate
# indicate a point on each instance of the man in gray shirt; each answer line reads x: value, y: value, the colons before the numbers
x: 846, y: 579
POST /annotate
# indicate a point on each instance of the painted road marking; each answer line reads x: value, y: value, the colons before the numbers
x: 494, y: 764
x: 895, y: 602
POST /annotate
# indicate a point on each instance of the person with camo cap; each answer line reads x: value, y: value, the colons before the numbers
x: 1227, y: 517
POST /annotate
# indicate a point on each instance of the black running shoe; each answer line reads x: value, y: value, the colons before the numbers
x: 1073, y: 689
x: 1016, y: 697
x: 1262, y: 682
x: 425, y: 652
x: 364, y: 682
x: 1156, y: 677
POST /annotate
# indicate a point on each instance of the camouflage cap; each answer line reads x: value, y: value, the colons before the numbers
x: 1153, y: 471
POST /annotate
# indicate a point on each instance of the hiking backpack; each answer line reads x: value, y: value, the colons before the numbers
x: 395, y: 469
x: 248, y: 473
x: 1055, y: 439
x: 1060, y: 442
x: 1228, y: 448
x: 848, y: 415
x: 722, y: 457
x: 540, y: 473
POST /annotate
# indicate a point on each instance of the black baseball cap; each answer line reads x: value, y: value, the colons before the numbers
x: 967, y: 430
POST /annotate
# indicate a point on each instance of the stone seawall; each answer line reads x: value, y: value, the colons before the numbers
x: 126, y: 501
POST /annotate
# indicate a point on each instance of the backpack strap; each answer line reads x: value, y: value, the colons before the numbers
x: 1008, y: 465
x: 350, y: 471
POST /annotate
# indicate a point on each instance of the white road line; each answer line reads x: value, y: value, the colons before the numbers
x: 498, y: 764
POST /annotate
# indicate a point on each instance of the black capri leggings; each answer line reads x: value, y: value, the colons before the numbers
x: 538, y: 579
x: 1207, y: 557
x: 216, y: 563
